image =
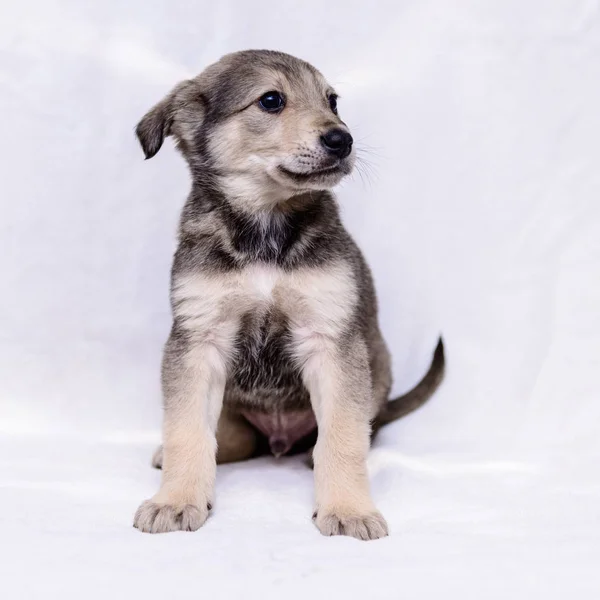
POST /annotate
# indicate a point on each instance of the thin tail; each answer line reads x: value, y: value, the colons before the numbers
x: 415, y: 398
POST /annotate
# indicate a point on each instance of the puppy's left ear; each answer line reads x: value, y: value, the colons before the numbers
x: 157, y: 122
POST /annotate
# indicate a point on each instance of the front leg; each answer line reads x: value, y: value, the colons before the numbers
x: 337, y: 376
x: 194, y: 374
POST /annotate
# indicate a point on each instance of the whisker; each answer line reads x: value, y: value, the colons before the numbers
x: 366, y: 171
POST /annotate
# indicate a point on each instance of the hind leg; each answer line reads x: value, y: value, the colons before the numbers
x: 236, y: 440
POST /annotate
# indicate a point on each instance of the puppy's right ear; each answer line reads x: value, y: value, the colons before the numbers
x: 156, y: 123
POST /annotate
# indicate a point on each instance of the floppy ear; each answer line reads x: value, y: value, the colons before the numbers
x: 154, y: 126
x: 157, y: 122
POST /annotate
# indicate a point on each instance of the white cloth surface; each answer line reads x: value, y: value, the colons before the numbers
x: 479, y: 215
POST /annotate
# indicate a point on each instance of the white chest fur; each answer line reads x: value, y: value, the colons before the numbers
x: 315, y: 301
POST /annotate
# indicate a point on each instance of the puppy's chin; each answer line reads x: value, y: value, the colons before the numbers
x: 324, y: 178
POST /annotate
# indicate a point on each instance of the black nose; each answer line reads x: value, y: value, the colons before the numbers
x: 338, y: 142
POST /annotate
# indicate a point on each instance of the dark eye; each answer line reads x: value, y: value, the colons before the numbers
x: 271, y: 102
x: 333, y: 103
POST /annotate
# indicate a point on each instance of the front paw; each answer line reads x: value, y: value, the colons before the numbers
x: 152, y: 517
x: 369, y: 526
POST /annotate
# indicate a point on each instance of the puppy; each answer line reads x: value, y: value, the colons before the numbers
x: 275, y: 332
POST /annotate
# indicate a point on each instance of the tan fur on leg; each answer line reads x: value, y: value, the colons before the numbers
x: 194, y: 394
x: 340, y: 388
x: 236, y: 440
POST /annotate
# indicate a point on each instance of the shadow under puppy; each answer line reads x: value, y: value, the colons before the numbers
x: 275, y: 332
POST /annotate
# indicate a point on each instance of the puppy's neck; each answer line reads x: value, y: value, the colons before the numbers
x: 282, y: 232
x: 271, y: 234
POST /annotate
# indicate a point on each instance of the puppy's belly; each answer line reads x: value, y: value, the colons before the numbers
x: 265, y: 384
x: 282, y: 429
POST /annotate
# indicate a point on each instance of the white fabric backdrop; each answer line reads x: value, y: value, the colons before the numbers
x: 480, y: 219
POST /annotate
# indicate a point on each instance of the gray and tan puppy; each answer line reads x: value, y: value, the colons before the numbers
x: 275, y: 329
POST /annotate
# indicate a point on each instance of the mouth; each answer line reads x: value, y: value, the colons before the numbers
x: 307, y: 176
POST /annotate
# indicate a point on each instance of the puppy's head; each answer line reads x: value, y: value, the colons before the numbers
x: 265, y: 123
